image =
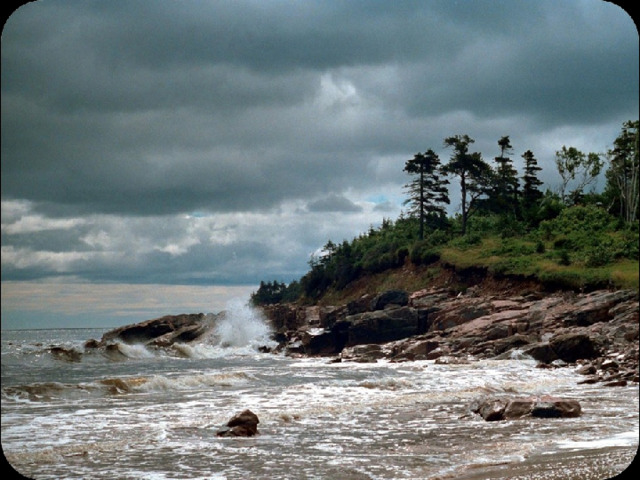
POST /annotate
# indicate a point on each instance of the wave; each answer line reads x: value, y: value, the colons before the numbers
x: 239, y: 330
x: 51, y: 391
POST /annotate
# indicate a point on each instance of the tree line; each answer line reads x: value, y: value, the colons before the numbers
x: 514, y: 203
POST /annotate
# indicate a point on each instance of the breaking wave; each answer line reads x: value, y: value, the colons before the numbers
x: 242, y: 326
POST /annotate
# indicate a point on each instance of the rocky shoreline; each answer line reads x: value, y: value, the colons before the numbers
x: 597, y: 331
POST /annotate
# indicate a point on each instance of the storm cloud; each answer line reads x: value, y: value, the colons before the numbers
x: 222, y: 143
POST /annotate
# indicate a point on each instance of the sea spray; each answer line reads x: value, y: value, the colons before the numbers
x: 242, y: 326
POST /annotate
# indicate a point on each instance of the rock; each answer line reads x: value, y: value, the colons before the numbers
x: 91, y: 344
x: 616, y: 383
x: 390, y: 297
x: 573, y: 346
x: 422, y: 347
x: 243, y: 424
x: 363, y: 353
x: 330, y: 315
x: 428, y: 298
x: 164, y: 330
x: 283, y: 317
x: 540, y: 351
x: 359, y: 305
x: 552, y: 407
x: 596, y: 307
x: 494, y: 409
x: 66, y: 354
x: 509, y: 343
x: 586, y: 370
x: 458, y: 311
x: 382, y: 326
x: 318, y: 341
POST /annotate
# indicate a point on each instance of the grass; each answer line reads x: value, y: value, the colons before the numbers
x: 520, y: 258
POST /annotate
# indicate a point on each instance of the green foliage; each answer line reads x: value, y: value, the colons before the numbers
x: 424, y: 253
x: 508, y: 231
x: 275, y: 292
x: 512, y: 266
x: 466, y: 241
x: 515, y: 247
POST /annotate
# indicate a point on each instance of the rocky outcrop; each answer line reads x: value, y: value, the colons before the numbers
x: 563, y: 327
x: 243, y: 424
x: 163, y: 331
x: 494, y: 409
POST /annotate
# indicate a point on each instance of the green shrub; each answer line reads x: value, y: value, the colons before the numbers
x: 402, y: 254
x: 423, y: 254
x: 438, y: 237
x: 564, y: 257
x: 514, y: 247
x: 599, y: 255
x: 466, y: 241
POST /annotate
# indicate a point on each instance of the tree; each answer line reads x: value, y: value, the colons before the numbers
x: 505, y: 193
x: 475, y: 175
x: 622, y: 175
x: 574, y: 165
x: 427, y: 192
x: 531, y: 195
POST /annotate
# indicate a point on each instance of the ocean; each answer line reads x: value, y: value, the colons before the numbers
x: 154, y: 414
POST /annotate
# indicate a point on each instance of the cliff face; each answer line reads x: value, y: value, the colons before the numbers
x: 600, y: 327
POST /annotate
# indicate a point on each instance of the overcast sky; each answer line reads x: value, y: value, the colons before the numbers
x: 160, y: 157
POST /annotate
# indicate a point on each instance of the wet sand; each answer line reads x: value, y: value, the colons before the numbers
x: 594, y: 464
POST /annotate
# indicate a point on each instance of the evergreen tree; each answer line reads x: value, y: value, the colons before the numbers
x: 505, y: 194
x: 428, y: 191
x: 475, y: 175
x: 531, y: 195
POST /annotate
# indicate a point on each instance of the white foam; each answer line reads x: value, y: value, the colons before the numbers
x: 242, y: 326
x: 134, y: 350
x: 624, y: 439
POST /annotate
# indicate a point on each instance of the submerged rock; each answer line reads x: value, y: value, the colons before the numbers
x: 66, y: 354
x: 243, y: 424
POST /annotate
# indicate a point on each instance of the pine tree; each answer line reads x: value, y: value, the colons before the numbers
x: 505, y: 194
x: 428, y: 191
x: 476, y: 176
x: 531, y: 195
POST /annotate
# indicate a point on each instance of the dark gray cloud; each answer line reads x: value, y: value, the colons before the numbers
x: 223, y: 142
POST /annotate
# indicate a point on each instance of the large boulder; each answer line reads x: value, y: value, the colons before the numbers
x: 399, y: 298
x: 540, y: 351
x: 318, y: 341
x: 574, y: 346
x: 243, y: 424
x: 546, y: 406
x: 382, y: 325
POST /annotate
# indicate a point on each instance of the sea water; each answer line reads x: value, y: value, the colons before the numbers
x: 153, y: 414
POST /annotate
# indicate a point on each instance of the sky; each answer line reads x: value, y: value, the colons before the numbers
x: 163, y: 157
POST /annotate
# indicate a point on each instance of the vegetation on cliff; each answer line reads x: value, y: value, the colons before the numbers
x: 569, y: 239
